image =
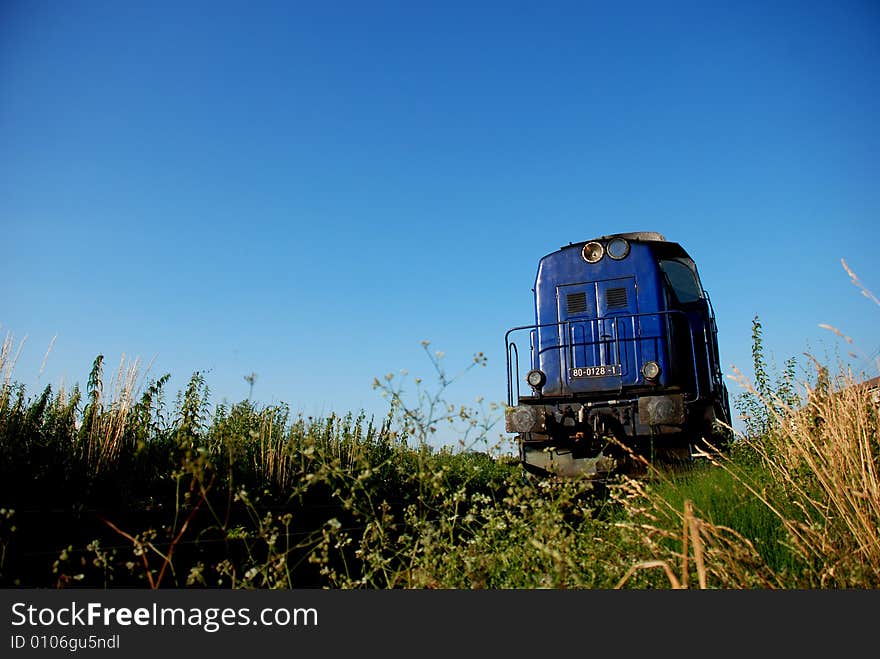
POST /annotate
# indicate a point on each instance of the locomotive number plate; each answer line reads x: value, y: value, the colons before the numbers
x: 605, y: 371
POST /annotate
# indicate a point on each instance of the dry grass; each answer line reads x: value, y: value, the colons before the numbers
x: 691, y: 536
x: 818, y: 474
x: 826, y: 454
x: 105, y: 437
x: 7, y: 364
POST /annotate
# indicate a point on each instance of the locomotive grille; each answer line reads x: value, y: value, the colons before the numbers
x: 615, y: 297
x: 576, y: 302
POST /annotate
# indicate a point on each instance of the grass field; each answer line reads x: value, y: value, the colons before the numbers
x: 119, y: 488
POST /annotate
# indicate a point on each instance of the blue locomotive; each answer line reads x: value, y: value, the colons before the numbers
x: 622, y: 360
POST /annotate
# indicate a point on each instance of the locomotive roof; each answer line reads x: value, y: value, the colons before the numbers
x: 662, y: 245
x: 641, y: 236
x: 634, y: 236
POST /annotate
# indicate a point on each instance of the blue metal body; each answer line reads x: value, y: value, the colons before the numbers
x: 597, y: 326
x: 572, y: 308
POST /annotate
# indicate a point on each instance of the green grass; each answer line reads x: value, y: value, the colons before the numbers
x: 123, y: 489
x: 722, y: 498
x: 127, y: 491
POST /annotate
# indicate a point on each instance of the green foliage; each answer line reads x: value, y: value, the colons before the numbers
x: 252, y: 496
x: 192, y: 411
x: 769, y: 395
x: 419, y: 413
x: 725, y: 499
x: 94, y: 392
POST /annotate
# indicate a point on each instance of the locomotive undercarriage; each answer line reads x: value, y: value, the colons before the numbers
x: 597, y: 439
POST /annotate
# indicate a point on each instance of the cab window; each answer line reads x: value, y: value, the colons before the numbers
x: 682, y: 280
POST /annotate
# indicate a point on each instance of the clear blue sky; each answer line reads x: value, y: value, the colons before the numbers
x: 307, y: 191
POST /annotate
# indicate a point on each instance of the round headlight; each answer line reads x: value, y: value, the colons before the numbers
x: 651, y: 370
x: 617, y: 248
x: 593, y: 252
x: 536, y: 378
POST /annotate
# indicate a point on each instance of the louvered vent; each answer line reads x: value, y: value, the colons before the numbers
x: 615, y: 297
x: 576, y: 303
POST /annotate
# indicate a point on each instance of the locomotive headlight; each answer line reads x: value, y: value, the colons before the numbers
x: 651, y: 370
x: 593, y: 252
x: 536, y: 378
x: 617, y: 249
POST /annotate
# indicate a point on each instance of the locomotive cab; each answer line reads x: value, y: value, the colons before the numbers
x: 622, y: 360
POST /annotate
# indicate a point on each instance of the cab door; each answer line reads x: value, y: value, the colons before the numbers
x: 598, y: 327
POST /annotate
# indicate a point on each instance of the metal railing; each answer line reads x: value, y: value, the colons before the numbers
x: 565, y: 347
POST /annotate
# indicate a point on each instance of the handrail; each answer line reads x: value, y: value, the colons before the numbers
x: 515, y: 378
x: 564, y: 346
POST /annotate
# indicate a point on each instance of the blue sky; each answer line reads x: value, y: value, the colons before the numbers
x: 307, y: 191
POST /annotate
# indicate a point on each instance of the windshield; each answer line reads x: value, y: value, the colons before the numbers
x: 682, y: 279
